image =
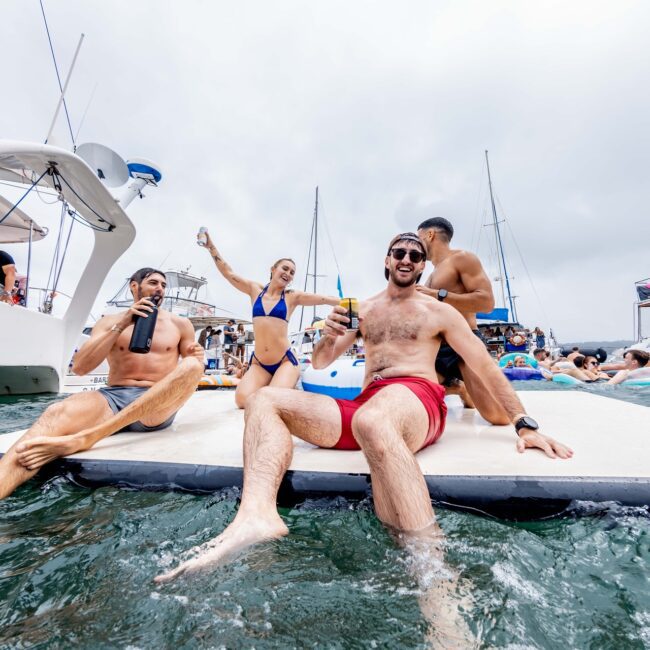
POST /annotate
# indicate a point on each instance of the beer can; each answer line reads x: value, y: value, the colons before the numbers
x: 202, y: 236
x: 351, y: 305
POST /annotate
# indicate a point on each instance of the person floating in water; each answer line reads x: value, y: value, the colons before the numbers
x: 400, y: 410
x: 144, y: 391
x: 273, y: 362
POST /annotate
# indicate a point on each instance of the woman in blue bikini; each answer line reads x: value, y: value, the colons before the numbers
x: 273, y: 363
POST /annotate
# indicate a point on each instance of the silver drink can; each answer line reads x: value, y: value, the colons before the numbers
x: 202, y: 236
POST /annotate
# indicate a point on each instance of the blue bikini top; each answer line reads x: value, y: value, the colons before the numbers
x: 279, y: 309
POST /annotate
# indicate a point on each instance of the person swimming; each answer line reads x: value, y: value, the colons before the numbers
x: 272, y: 362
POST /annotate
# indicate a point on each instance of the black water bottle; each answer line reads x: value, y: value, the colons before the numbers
x: 143, y: 330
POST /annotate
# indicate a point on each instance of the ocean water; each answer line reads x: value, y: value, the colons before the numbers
x: 77, y: 569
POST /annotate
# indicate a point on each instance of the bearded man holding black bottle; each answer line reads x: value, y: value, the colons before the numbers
x: 146, y: 384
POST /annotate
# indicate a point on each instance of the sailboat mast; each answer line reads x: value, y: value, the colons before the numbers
x: 315, y: 246
x: 503, y: 272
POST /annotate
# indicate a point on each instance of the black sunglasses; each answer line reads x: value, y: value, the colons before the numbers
x: 400, y: 253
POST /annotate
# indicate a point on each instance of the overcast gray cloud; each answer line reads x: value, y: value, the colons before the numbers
x: 387, y: 107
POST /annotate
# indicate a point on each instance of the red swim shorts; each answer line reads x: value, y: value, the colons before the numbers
x: 431, y: 395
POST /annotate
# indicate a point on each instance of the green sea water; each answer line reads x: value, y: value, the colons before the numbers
x: 77, y: 568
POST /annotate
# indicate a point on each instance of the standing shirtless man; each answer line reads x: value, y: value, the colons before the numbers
x: 144, y: 391
x: 458, y: 280
x: 400, y: 410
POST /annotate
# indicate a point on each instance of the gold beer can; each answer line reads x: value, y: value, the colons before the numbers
x: 351, y: 305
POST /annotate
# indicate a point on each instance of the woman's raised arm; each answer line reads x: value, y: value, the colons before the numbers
x: 244, y: 285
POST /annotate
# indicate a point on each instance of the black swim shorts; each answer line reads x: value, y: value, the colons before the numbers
x: 447, y: 363
x: 119, y: 397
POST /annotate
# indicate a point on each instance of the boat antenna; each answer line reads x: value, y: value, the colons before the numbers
x: 500, y: 254
x: 63, y: 87
x: 315, y: 248
x: 313, y: 242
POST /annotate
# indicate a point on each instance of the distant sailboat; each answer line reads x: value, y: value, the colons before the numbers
x: 503, y: 317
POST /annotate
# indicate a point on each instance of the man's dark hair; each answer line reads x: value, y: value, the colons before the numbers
x: 406, y: 236
x: 575, y: 348
x: 219, y: 331
x: 441, y: 225
x: 231, y: 321
x: 537, y: 351
x: 579, y: 361
x: 640, y: 355
x: 144, y: 273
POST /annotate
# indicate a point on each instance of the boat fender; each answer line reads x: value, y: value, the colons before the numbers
x: 599, y: 353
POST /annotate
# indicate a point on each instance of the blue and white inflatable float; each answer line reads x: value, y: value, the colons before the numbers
x: 567, y: 380
x: 521, y: 374
x: 342, y: 379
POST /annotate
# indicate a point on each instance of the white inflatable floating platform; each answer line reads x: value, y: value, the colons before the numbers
x: 473, y: 464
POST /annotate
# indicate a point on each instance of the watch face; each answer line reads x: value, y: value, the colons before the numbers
x: 442, y: 294
x: 528, y: 423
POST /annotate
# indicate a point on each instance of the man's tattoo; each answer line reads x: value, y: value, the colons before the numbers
x: 216, y: 257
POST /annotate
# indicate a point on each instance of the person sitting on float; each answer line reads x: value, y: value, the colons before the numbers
x: 272, y: 362
x: 636, y: 367
x: 520, y: 362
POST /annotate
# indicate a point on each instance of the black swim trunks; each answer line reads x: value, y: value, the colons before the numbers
x: 447, y: 363
x: 119, y: 397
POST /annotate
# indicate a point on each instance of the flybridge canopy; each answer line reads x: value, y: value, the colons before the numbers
x: 16, y: 227
x: 182, y: 279
x: 643, y: 290
x: 498, y: 314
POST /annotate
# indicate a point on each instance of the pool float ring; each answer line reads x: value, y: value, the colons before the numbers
x: 530, y: 359
x: 572, y: 381
x: 342, y: 379
x: 517, y: 340
x: 211, y: 382
x: 522, y: 374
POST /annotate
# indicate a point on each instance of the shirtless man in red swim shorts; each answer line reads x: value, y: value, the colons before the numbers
x: 400, y: 410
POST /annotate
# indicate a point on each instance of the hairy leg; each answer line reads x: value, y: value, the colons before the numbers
x: 152, y: 408
x: 441, y: 596
x: 480, y: 393
x: 59, y: 419
x: 272, y: 415
x: 390, y: 427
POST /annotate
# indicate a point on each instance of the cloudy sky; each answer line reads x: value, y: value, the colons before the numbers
x: 388, y: 107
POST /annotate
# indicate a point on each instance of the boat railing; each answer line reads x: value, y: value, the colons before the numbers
x: 181, y: 306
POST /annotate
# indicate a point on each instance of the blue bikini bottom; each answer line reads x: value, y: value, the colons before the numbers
x: 273, y: 367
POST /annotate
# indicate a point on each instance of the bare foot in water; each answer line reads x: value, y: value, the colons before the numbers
x: 36, y: 452
x: 244, y: 531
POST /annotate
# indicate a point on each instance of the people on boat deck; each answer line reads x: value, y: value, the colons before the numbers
x: 7, y: 277
x: 213, y: 353
x: 636, y: 367
x: 240, y: 342
x: 144, y: 391
x: 204, y: 334
x: 272, y: 362
x: 540, y: 337
x: 229, y: 337
x: 400, y: 410
x: 459, y: 280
